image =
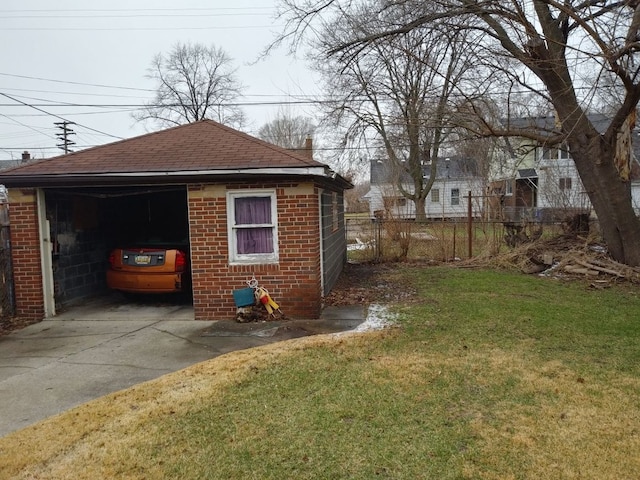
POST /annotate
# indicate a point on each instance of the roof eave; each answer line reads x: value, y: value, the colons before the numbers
x: 322, y: 174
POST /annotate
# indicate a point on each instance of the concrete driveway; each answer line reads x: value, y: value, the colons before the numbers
x: 93, y: 350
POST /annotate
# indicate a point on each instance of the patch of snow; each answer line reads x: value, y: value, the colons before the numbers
x: 359, y: 245
x: 549, y: 270
x: 598, y: 248
x: 378, y: 318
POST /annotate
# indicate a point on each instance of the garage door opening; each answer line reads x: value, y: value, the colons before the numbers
x: 133, y: 228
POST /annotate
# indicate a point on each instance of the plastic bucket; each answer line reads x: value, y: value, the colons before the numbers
x: 244, y: 297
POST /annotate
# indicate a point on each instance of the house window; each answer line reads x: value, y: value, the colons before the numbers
x: 556, y: 152
x: 252, y: 221
x: 508, y: 188
x: 455, y: 196
x: 565, y: 183
x: 435, y: 195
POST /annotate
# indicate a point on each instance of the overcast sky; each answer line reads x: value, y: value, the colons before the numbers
x: 94, y: 56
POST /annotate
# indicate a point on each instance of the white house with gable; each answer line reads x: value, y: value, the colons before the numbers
x: 448, y: 197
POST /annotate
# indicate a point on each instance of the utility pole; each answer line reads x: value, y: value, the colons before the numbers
x: 63, y: 136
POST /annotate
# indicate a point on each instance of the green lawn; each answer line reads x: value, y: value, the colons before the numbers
x: 487, y: 375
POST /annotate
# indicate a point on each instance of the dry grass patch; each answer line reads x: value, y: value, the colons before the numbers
x: 101, y: 439
x: 491, y: 376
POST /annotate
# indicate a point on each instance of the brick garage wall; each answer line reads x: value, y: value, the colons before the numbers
x: 25, y: 254
x: 294, y: 282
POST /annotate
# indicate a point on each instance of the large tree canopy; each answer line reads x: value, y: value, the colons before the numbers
x: 397, y: 92
x: 551, y: 48
x: 193, y: 82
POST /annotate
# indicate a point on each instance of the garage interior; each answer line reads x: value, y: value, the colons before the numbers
x: 87, y: 224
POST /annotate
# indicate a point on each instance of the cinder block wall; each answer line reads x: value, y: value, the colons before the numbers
x: 25, y: 254
x: 80, y: 259
x: 294, y: 282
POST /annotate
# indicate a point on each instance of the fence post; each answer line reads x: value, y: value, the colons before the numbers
x: 378, y: 240
x: 470, y: 224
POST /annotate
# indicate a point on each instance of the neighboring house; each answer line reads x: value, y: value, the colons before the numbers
x: 7, y: 164
x: 68, y: 212
x: 540, y: 182
x: 448, y: 197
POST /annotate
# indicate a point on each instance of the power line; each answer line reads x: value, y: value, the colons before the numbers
x: 68, y: 82
x: 74, y: 10
x: 154, y: 15
x: 135, y: 29
x: 56, y: 116
x: 80, y: 94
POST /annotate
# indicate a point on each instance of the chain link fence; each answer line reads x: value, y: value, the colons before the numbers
x: 452, y: 239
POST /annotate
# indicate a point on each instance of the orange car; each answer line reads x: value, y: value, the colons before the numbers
x: 148, y: 270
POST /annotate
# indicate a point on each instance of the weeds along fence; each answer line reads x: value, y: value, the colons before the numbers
x: 436, y: 240
x: 443, y: 240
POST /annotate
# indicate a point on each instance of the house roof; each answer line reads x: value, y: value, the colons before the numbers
x: 549, y: 124
x: 203, y: 148
x: 446, y: 168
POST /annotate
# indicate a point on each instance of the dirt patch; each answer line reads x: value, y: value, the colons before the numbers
x: 8, y: 325
x: 366, y: 283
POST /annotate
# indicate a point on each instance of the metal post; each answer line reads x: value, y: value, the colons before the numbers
x: 470, y: 224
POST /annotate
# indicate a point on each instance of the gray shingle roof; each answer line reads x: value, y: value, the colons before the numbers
x: 446, y: 168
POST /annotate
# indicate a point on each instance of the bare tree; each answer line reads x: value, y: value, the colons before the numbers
x: 194, y: 82
x: 554, y: 44
x: 288, y: 131
x: 396, y: 92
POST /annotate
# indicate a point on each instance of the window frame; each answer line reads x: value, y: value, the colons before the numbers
x: 555, y: 152
x: 236, y: 258
x: 456, y: 197
x: 435, y: 195
x: 565, y: 183
x: 508, y: 188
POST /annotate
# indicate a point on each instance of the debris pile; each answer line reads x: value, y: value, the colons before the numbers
x: 566, y: 256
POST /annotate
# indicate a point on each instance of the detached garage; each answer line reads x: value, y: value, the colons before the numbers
x: 190, y: 186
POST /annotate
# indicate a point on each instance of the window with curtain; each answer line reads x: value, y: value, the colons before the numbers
x: 252, y: 227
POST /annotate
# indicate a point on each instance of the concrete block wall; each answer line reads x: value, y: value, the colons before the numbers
x: 294, y: 282
x: 79, y: 259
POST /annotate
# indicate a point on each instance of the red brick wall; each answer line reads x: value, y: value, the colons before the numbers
x: 25, y: 254
x: 294, y: 282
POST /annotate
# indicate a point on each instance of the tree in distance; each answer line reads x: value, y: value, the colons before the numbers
x: 288, y: 131
x: 193, y: 82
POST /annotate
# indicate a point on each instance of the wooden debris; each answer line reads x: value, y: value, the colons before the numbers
x: 600, y: 269
x: 581, y: 270
x: 565, y: 256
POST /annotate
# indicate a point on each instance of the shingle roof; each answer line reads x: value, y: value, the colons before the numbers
x: 454, y: 167
x: 198, y: 146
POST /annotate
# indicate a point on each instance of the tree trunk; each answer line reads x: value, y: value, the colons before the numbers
x: 421, y: 215
x: 610, y: 196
